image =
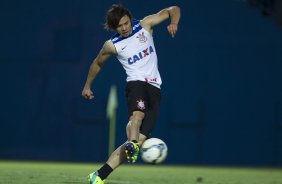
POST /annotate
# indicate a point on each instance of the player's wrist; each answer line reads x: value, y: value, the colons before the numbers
x: 87, y: 86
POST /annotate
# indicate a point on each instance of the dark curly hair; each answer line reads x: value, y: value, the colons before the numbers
x: 114, y: 15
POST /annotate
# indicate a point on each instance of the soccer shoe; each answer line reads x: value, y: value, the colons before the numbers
x: 132, y: 151
x: 93, y: 178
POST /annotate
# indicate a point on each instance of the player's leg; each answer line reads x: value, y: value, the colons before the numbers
x: 115, y: 160
x: 119, y: 156
x: 134, y: 124
x: 136, y: 103
x: 132, y: 131
x: 150, y: 119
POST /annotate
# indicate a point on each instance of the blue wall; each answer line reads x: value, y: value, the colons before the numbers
x: 222, y: 89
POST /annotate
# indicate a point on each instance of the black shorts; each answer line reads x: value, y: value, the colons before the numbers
x: 142, y: 96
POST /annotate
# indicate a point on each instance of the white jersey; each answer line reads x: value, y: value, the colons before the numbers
x: 137, y: 54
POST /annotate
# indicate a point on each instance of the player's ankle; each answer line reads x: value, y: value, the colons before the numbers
x: 104, y: 171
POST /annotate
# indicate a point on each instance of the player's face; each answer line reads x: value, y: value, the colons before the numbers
x: 124, y: 27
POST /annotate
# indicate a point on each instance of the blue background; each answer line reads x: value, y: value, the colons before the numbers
x: 222, y: 90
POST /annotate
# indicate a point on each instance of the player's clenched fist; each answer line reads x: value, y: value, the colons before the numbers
x: 88, y: 94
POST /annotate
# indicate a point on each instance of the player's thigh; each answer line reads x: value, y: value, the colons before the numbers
x: 136, y: 96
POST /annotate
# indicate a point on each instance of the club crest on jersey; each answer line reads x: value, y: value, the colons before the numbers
x: 140, y: 104
x: 140, y: 55
x: 142, y: 37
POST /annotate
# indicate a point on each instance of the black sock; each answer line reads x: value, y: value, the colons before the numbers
x: 104, y: 171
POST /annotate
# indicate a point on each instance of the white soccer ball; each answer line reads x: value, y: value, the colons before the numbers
x: 153, y: 151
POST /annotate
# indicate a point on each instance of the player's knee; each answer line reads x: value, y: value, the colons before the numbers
x: 137, y: 116
x: 128, y: 126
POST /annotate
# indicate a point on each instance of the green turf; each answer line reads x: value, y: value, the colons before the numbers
x: 74, y: 173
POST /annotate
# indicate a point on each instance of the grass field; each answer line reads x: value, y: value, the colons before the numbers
x: 75, y: 173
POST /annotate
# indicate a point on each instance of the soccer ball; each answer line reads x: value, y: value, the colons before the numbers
x: 153, y: 151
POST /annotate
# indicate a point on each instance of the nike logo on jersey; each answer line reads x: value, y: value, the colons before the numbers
x: 140, y: 55
x: 123, y: 47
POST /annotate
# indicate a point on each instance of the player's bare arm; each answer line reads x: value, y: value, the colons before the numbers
x: 107, y: 50
x: 172, y: 12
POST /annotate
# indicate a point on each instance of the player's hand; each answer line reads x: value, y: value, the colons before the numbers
x: 172, y: 29
x: 87, y: 94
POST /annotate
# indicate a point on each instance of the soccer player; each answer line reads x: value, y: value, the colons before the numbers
x: 133, y: 46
